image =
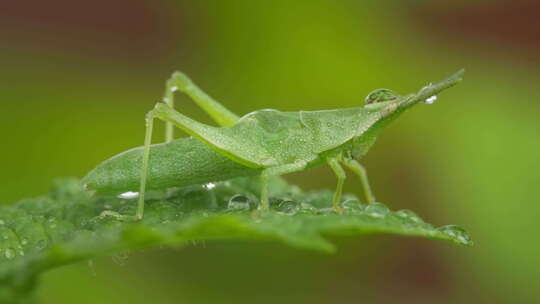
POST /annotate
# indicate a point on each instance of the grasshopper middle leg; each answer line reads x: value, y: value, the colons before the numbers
x: 359, y: 170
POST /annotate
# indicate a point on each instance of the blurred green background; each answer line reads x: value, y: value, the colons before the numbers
x: 77, y: 77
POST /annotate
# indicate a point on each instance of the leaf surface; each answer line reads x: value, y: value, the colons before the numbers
x: 64, y: 226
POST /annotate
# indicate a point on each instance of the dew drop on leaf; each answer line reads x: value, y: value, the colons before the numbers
x: 409, y: 215
x: 457, y: 233
x: 128, y: 195
x: 239, y: 202
x: 307, y: 208
x: 353, y: 205
x: 10, y: 254
x: 288, y: 207
x: 377, y: 210
x: 209, y: 186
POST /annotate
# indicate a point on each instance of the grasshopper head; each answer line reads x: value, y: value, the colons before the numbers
x: 383, y: 106
x: 389, y: 104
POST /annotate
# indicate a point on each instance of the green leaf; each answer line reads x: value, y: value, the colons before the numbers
x: 65, y: 227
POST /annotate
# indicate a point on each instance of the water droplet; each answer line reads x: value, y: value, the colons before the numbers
x: 307, y: 208
x: 380, y: 95
x: 377, y: 210
x: 352, y: 205
x: 409, y: 215
x: 129, y: 195
x: 326, y: 211
x: 21, y: 252
x: 457, y: 233
x: 210, y: 186
x: 10, y: 254
x: 24, y: 242
x: 2, y: 223
x: 240, y: 202
x: 288, y: 207
x: 431, y: 100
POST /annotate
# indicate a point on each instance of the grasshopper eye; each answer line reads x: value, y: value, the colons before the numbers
x: 380, y: 95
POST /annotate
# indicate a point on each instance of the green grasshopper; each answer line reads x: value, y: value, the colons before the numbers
x: 263, y: 143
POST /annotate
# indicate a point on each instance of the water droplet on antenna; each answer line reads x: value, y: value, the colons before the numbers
x: 431, y: 100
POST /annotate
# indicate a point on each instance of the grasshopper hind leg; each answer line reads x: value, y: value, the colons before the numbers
x: 341, y: 176
x: 181, y: 82
x: 178, y: 82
